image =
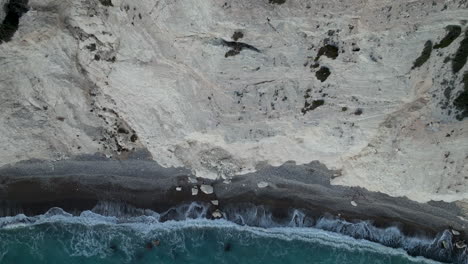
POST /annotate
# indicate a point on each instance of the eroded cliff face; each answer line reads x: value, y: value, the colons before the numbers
x: 374, y: 89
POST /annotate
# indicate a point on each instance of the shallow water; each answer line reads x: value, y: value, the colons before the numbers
x: 93, y: 238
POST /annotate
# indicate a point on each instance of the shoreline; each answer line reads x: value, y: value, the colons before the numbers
x: 145, y: 228
x: 33, y: 187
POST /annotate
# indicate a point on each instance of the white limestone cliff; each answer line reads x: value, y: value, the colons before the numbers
x: 87, y: 76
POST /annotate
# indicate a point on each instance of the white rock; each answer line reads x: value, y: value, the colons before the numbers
x: 208, y: 189
x: 262, y: 184
x: 227, y: 181
x: 178, y: 189
x: 217, y: 214
x: 353, y: 203
x: 460, y: 244
x: 215, y: 202
x: 192, y: 180
x: 194, y: 190
x: 444, y: 244
x: 455, y: 232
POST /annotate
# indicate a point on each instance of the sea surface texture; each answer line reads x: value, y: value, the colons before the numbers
x: 59, y: 237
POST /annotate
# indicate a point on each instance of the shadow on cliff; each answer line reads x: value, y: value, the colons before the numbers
x: 14, y: 9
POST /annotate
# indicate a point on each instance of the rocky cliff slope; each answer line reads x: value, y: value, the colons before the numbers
x: 376, y: 90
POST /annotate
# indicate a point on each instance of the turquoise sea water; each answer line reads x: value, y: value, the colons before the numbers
x: 92, y: 238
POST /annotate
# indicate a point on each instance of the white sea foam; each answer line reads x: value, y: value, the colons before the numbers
x: 88, y: 244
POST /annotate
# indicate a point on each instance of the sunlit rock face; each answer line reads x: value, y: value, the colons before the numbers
x: 376, y: 90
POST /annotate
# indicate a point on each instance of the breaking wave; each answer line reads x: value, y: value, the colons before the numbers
x: 93, y: 233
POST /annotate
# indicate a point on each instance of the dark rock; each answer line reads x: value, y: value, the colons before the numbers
x: 237, y: 35
x: 91, y: 47
x: 238, y: 45
x: 322, y: 74
x: 277, y: 2
x: 461, y: 102
x: 231, y: 53
x: 106, y: 2
x: 425, y: 55
x: 315, y: 65
x: 122, y: 130
x: 328, y: 50
x: 461, y: 55
x: 149, y: 245
x: 453, y: 32
x: 311, y: 106
x: 227, y: 247
x: 14, y: 10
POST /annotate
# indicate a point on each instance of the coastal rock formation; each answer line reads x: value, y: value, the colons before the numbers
x: 376, y: 90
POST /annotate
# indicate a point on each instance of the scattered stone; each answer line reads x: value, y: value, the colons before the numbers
x: 208, y: 189
x: 215, y: 202
x: 353, y: 203
x: 262, y: 184
x: 194, y: 190
x: 178, y: 189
